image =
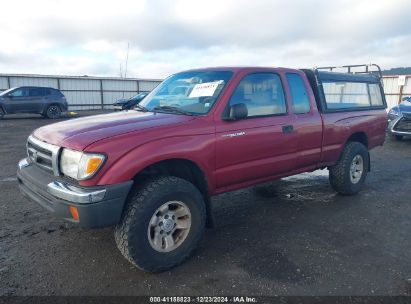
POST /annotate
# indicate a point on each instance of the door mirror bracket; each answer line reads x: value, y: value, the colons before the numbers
x: 236, y: 112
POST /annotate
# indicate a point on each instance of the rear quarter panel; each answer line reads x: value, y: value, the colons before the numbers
x: 339, y: 126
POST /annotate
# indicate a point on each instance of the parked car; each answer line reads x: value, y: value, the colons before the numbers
x: 399, y: 118
x: 127, y: 104
x: 48, y: 102
x: 151, y: 171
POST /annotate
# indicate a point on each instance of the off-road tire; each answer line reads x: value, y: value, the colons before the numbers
x: 131, y: 233
x: 340, y: 173
x: 53, y: 112
x: 398, y: 137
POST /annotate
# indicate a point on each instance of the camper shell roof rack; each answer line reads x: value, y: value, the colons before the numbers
x: 370, y: 68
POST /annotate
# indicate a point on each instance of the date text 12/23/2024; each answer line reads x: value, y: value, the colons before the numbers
x: 204, y: 299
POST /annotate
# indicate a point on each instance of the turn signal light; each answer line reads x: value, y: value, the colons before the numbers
x: 74, y: 213
x: 93, y: 164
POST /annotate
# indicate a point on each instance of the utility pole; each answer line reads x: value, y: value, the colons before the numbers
x: 128, y: 48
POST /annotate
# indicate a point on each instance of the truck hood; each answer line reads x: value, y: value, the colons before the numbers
x: 78, y: 133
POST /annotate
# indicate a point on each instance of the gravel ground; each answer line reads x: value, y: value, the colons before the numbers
x: 290, y: 237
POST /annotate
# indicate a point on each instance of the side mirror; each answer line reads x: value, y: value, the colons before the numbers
x: 237, y: 111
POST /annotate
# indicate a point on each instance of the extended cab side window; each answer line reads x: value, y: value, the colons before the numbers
x: 262, y: 93
x: 299, y: 95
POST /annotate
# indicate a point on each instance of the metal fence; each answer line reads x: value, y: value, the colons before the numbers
x: 84, y: 92
x: 395, y: 88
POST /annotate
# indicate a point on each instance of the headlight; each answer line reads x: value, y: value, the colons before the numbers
x: 80, y: 165
x: 394, y: 112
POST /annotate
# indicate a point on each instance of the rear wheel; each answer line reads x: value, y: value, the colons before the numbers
x: 348, y: 175
x: 162, y: 225
x: 53, y: 112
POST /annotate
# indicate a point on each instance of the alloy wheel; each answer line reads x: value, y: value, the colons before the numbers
x: 169, y: 226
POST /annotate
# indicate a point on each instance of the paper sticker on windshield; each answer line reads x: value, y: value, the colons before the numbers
x: 204, y: 89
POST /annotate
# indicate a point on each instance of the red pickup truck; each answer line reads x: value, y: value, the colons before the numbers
x: 151, y: 171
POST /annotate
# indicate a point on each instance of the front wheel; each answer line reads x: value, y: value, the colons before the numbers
x: 162, y: 224
x: 53, y: 112
x: 347, y: 177
x: 1, y: 113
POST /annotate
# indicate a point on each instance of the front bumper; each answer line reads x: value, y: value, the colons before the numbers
x: 99, y: 206
x: 394, y: 126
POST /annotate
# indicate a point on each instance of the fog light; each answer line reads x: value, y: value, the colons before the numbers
x: 74, y: 213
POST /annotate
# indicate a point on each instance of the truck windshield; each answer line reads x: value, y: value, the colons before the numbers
x: 192, y: 93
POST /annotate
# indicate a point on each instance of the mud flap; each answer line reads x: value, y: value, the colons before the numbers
x: 210, y: 220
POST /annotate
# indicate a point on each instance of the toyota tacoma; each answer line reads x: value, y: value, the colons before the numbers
x: 150, y: 172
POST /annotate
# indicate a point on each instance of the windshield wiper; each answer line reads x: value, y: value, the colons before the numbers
x: 172, y: 109
x: 141, y: 108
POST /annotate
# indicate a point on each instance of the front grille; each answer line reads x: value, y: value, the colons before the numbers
x: 43, y: 154
x: 404, y: 125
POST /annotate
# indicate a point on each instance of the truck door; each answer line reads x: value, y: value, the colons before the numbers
x: 263, y: 143
x: 307, y: 122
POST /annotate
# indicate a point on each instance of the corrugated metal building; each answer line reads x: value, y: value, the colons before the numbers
x: 83, y: 92
x: 395, y: 88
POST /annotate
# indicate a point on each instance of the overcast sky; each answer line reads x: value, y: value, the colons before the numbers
x: 90, y: 38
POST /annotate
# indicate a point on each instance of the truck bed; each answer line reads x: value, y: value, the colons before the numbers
x: 346, y: 115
